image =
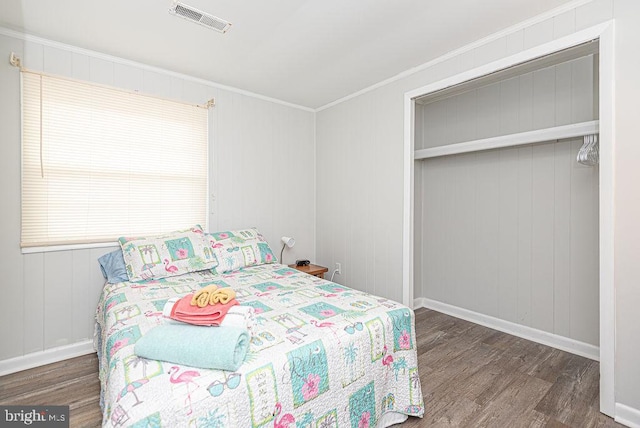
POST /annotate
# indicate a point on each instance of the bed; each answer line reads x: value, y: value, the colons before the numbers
x: 322, y: 355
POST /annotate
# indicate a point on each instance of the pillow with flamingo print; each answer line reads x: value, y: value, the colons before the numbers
x: 177, y: 253
x: 236, y: 249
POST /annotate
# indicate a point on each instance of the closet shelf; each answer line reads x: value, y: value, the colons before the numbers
x: 537, y: 136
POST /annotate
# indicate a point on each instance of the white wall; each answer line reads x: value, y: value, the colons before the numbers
x: 359, y: 191
x: 553, y: 96
x: 259, y: 150
x: 360, y: 173
x: 513, y: 234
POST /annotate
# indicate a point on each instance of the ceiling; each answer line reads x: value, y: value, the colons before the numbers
x: 306, y: 52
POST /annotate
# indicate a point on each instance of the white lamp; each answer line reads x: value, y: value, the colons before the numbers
x: 286, y: 242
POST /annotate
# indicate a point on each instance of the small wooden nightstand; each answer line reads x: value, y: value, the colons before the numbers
x: 314, y: 270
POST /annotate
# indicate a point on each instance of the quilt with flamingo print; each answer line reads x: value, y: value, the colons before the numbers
x: 322, y: 355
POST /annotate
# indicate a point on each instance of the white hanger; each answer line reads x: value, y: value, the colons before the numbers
x: 588, y: 153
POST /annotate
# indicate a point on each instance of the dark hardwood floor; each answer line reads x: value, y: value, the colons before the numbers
x: 471, y: 376
x: 72, y: 383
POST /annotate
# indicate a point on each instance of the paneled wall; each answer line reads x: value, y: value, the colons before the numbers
x: 553, y: 96
x: 258, y: 147
x: 512, y: 233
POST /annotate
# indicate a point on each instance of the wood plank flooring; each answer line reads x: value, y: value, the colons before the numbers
x: 72, y: 383
x: 472, y: 376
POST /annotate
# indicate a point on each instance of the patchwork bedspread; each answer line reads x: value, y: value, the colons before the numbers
x: 324, y: 355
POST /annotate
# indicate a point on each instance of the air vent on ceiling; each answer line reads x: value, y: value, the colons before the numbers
x: 194, y: 15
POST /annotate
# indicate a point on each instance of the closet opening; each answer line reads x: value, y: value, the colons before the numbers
x: 508, y: 197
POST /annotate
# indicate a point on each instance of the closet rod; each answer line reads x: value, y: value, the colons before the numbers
x: 537, y: 136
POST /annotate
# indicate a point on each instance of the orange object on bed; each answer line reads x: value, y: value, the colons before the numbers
x: 208, y: 315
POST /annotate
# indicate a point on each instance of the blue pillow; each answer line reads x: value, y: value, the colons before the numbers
x: 113, y: 267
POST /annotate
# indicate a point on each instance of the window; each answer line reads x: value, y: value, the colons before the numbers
x: 99, y: 163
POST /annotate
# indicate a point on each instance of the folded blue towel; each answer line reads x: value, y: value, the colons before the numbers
x: 222, y: 348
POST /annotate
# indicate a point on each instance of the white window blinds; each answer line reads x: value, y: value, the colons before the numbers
x: 99, y: 163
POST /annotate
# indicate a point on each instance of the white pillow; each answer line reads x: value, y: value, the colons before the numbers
x: 236, y: 249
x: 180, y: 252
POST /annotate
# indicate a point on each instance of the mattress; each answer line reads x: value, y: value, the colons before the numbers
x: 323, y: 355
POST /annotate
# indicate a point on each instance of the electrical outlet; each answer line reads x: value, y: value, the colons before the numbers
x: 338, y: 268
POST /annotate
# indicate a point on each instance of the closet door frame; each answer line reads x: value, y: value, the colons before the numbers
x: 605, y: 34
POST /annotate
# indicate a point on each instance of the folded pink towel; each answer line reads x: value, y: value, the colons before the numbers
x: 208, y: 315
x: 238, y: 316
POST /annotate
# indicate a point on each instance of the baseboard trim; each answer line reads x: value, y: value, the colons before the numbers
x: 628, y: 416
x: 555, y: 341
x: 53, y: 355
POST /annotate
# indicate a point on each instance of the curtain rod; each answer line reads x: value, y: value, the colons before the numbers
x: 15, y: 61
